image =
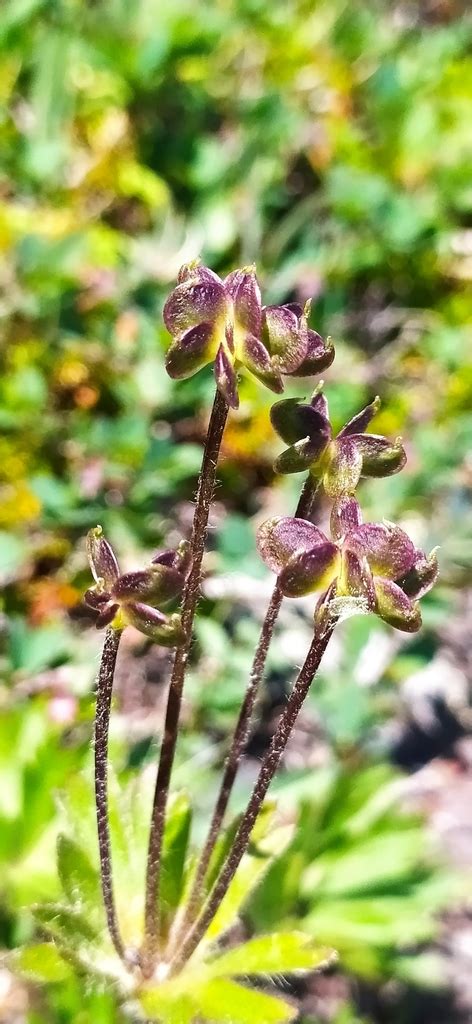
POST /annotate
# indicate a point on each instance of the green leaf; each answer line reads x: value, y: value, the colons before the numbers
x: 174, y: 853
x: 226, y: 1000
x: 79, y: 880
x: 64, y: 924
x: 247, y: 877
x: 266, y: 842
x: 271, y: 954
x: 168, y: 1004
x: 41, y: 963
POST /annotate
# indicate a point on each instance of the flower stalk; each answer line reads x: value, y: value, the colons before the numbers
x: 241, y: 732
x: 268, y: 768
x: 102, y: 721
x: 191, y: 592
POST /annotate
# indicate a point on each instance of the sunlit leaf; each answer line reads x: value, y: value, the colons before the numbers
x: 226, y: 1001
x: 271, y: 954
x: 79, y: 880
x: 41, y: 963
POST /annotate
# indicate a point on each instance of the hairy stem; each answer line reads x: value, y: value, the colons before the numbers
x: 241, y: 732
x: 102, y: 721
x: 266, y: 774
x: 204, y: 497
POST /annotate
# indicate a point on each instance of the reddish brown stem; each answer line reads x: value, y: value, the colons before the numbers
x: 241, y: 733
x: 204, y: 497
x: 266, y: 774
x: 102, y: 721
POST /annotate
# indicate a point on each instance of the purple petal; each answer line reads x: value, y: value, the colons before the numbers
x: 355, y: 579
x: 191, y: 351
x: 294, y: 421
x: 422, y: 575
x: 346, y: 516
x: 226, y: 377
x: 319, y: 355
x: 180, y: 558
x: 96, y: 598
x: 296, y: 308
x: 102, y: 558
x: 344, y: 468
x: 380, y: 457
x: 196, y: 272
x: 311, y: 570
x: 156, y: 585
x: 298, y: 458
x: 283, y: 536
x: 361, y: 420
x: 165, y: 630
x: 320, y: 402
x: 286, y: 341
x: 254, y: 355
x: 106, y: 615
x: 395, y: 607
x: 242, y: 286
x: 388, y: 549
x: 201, y: 298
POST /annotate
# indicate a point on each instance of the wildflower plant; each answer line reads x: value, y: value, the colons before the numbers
x: 171, y: 966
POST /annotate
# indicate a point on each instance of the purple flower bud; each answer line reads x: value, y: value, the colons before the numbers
x: 422, y: 576
x: 370, y: 567
x: 344, y: 468
x: 280, y: 538
x: 388, y: 549
x: 104, y: 566
x: 345, y: 516
x: 283, y: 338
x: 395, y: 607
x: 165, y: 630
x: 199, y: 299
x: 253, y: 354
x: 191, y: 351
x: 311, y: 570
x: 359, y: 423
x: 218, y: 321
x: 299, y: 351
x: 107, y: 614
x: 338, y: 463
x: 294, y: 421
x: 180, y: 559
x: 243, y: 288
x: 157, y: 585
x: 133, y: 596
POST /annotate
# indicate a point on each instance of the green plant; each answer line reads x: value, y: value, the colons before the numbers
x: 359, y: 874
x: 176, y: 970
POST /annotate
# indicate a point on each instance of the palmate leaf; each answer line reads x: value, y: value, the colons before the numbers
x: 208, y: 990
x: 279, y: 953
x: 66, y: 925
x: 80, y: 881
x: 226, y: 1001
x: 266, y: 842
x: 41, y: 963
x: 215, y: 1000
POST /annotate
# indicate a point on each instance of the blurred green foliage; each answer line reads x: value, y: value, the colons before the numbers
x: 328, y: 141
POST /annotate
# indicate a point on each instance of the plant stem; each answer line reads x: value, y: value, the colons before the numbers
x: 102, y: 721
x: 206, y: 484
x: 241, y: 732
x: 266, y: 774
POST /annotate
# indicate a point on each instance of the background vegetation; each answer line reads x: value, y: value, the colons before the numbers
x: 330, y: 142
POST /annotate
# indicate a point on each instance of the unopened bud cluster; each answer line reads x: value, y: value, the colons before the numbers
x: 137, y: 598
x: 373, y: 566
x: 367, y: 567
